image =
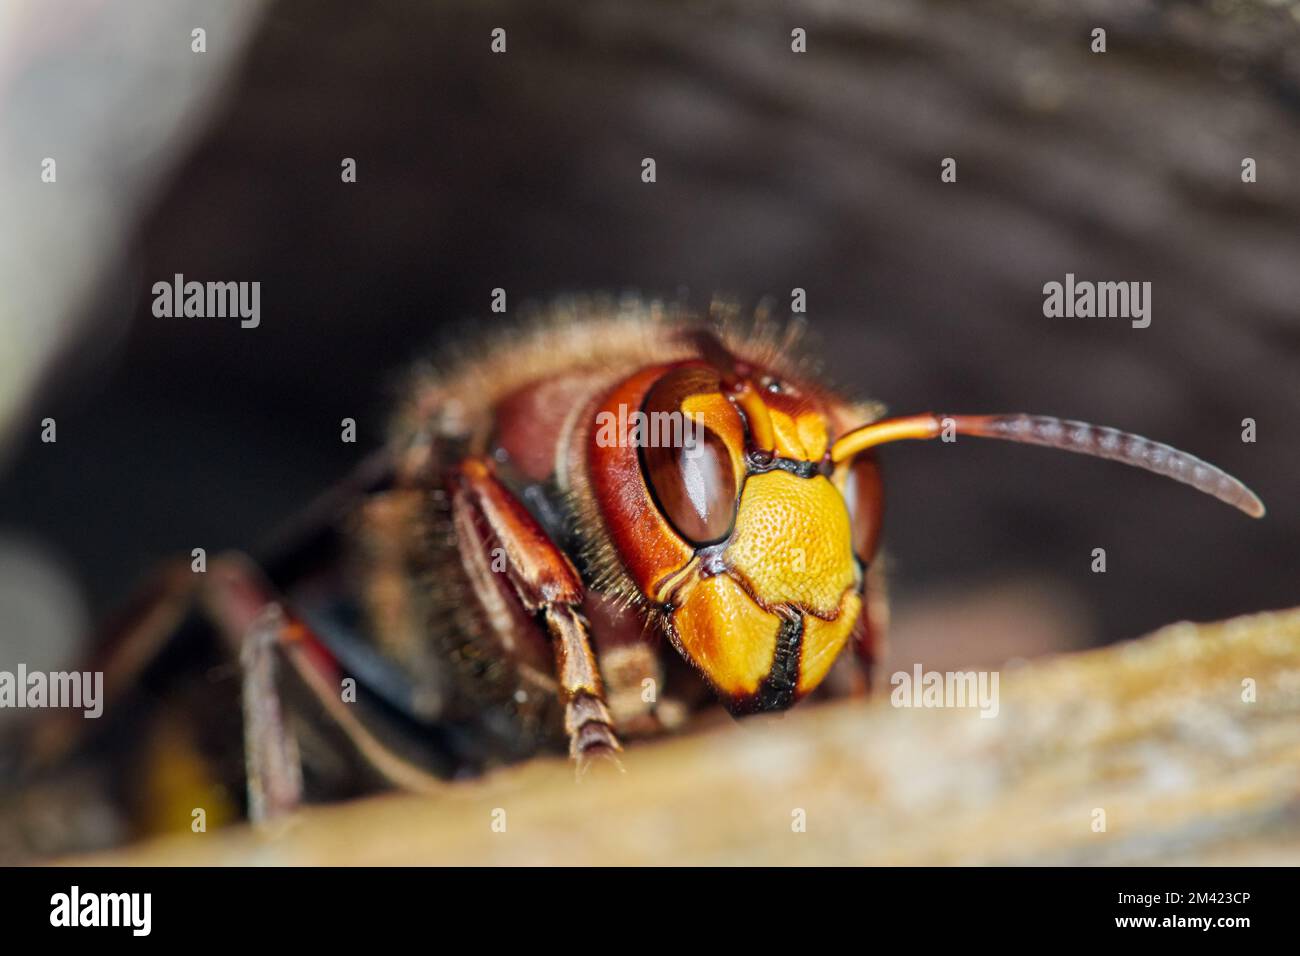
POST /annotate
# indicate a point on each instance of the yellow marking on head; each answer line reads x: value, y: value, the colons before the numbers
x: 730, y: 638
x: 802, y: 437
x: 714, y: 411
x: 813, y: 434
x: 823, y: 641
x: 792, y: 542
x: 789, y: 443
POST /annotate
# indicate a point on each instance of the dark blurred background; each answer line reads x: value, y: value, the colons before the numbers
x: 775, y: 170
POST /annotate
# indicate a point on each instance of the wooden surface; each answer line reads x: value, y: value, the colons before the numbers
x: 1154, y: 732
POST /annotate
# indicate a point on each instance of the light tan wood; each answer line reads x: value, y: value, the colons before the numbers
x: 1155, y: 732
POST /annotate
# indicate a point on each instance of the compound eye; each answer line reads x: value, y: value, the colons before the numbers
x: 865, y: 496
x: 687, y: 465
x: 695, y: 488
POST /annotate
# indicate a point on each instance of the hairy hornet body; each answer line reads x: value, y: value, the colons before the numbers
x: 610, y: 468
x: 583, y: 532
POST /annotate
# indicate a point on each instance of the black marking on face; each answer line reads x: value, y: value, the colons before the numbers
x: 757, y: 463
x: 778, y: 687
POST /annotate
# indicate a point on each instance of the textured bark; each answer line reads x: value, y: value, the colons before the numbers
x: 1154, y: 732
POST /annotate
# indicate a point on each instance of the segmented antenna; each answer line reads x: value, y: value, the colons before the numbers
x: 1066, y: 435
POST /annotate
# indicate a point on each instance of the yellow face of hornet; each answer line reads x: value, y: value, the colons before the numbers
x: 739, y: 529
